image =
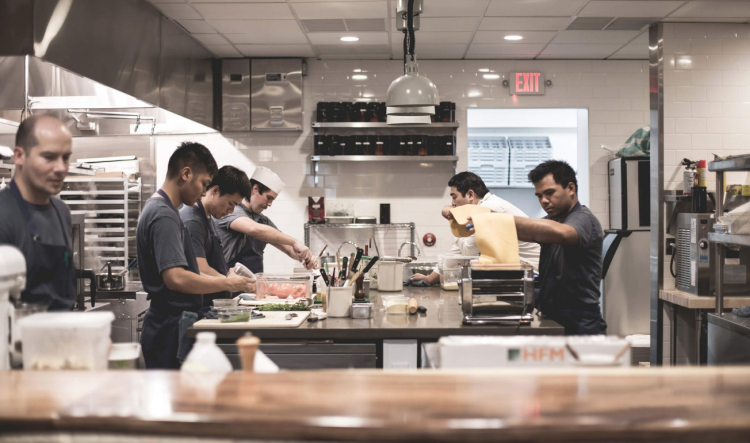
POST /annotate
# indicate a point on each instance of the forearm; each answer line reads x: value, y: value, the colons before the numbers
x: 206, y: 269
x: 286, y: 249
x: 545, y: 231
x: 181, y: 280
x: 433, y: 278
x: 261, y: 232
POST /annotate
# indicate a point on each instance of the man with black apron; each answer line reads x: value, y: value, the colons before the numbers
x: 245, y: 232
x: 34, y: 221
x: 166, y: 260
x: 225, y: 192
x: 570, y: 263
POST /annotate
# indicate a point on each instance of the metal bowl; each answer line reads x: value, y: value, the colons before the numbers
x: 424, y: 270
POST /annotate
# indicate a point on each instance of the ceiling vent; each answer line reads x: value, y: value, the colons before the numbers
x: 366, y: 24
x: 589, y: 23
x: 324, y: 25
x: 353, y: 49
x: 630, y: 23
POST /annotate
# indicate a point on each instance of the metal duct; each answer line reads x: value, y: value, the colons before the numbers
x: 126, y: 44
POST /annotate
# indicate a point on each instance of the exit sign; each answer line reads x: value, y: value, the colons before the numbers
x: 526, y: 83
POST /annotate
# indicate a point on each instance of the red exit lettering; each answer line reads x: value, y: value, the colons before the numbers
x: 527, y: 81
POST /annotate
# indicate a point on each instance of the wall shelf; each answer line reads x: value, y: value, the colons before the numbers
x: 383, y: 158
x: 729, y: 239
x: 736, y: 163
x: 380, y: 125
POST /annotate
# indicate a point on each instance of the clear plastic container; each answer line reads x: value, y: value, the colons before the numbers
x: 449, y: 278
x: 237, y: 314
x: 395, y: 304
x: 124, y: 355
x: 224, y: 302
x: 66, y: 340
x: 283, y: 286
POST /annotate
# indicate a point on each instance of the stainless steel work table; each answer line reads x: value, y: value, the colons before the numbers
x: 365, y: 343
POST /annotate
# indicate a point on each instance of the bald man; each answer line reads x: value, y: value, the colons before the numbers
x: 33, y: 220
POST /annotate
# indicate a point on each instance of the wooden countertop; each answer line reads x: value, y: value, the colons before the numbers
x: 443, y: 318
x: 665, y: 404
x: 691, y: 301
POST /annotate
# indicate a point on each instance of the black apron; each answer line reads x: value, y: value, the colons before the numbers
x: 50, y: 271
x: 251, y: 255
x: 215, y: 258
x: 160, y: 337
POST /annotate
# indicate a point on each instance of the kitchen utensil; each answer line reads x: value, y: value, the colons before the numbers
x: 248, y: 347
x: 340, y: 301
x: 412, y: 306
x: 108, y: 281
x: 423, y: 270
x: 339, y: 219
x: 359, y: 293
x: 243, y: 271
x: 366, y: 220
x: 362, y: 310
x: 322, y: 251
x: 357, y: 259
x: 390, y: 276
x: 449, y: 278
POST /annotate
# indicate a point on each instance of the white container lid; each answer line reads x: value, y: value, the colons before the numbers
x: 67, y: 320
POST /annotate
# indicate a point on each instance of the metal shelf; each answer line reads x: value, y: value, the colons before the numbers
x: 94, y: 179
x: 113, y: 221
x: 384, y: 158
x: 95, y: 202
x: 100, y: 211
x: 729, y: 239
x: 737, y: 163
x: 379, y: 125
x: 361, y: 225
x: 71, y: 170
x: 118, y: 192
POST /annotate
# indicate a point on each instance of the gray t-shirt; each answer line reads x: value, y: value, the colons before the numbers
x: 13, y: 229
x: 192, y: 218
x: 159, y: 238
x: 234, y: 241
x: 570, y: 275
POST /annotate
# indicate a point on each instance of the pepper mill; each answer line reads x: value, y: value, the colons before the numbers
x: 248, y: 346
x: 359, y: 294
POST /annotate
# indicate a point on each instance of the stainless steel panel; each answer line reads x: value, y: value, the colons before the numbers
x: 186, y: 75
x: 728, y: 340
x: 626, y: 300
x: 615, y: 194
x: 276, y: 94
x: 11, y: 85
x: 235, y: 95
x: 127, y: 313
x: 656, y: 254
x: 313, y: 356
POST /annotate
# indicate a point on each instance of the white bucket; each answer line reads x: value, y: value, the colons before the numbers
x: 339, y: 301
x: 390, y: 276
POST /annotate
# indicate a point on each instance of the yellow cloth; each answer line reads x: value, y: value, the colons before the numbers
x: 497, y: 238
x: 460, y: 214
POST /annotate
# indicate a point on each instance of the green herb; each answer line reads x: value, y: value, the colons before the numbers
x: 236, y: 318
x: 283, y: 307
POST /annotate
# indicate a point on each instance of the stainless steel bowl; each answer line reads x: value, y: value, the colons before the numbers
x: 424, y: 270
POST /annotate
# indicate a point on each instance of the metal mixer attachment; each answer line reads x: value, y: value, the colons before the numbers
x: 496, y: 294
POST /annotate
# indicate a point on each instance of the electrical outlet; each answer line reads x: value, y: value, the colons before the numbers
x: 670, y: 245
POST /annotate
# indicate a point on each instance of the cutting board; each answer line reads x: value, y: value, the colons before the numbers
x: 274, y: 319
x: 267, y: 300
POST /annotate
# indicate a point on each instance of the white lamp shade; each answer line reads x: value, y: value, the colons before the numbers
x: 408, y: 120
x: 412, y: 90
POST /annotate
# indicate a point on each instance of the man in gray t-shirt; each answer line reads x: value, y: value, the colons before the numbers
x: 570, y: 262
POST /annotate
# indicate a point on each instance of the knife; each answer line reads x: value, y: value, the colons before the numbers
x: 344, y: 268
x: 325, y: 276
x: 357, y: 258
x: 355, y: 277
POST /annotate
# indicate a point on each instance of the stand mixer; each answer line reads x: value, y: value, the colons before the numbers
x: 12, y: 282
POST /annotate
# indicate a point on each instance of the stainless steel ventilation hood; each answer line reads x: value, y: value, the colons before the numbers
x: 126, y: 44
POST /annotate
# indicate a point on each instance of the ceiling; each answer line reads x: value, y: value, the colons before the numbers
x: 450, y: 29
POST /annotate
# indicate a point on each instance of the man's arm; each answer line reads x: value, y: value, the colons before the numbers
x: 431, y: 279
x: 206, y: 269
x: 180, y: 279
x: 304, y: 256
x: 275, y: 237
x: 545, y: 231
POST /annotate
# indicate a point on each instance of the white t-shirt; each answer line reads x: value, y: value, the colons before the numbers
x: 529, y: 252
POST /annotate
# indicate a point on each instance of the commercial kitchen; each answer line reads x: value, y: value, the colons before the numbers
x: 378, y: 220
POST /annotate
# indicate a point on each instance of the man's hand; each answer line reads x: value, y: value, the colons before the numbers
x: 305, y: 256
x: 417, y: 277
x: 240, y: 284
x: 312, y: 263
x: 446, y: 213
x: 431, y: 279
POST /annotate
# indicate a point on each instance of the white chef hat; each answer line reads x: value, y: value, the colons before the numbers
x: 268, y: 178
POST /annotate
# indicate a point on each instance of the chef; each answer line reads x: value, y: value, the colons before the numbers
x: 166, y: 259
x: 245, y: 232
x: 225, y: 192
x: 34, y: 221
x: 467, y: 188
x: 570, y: 264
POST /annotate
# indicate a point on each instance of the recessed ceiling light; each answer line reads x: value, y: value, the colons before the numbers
x: 357, y: 70
x: 491, y: 76
x: 513, y: 37
x: 350, y: 39
x: 359, y: 77
x: 484, y: 69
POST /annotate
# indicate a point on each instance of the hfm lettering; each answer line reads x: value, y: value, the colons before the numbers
x: 544, y: 354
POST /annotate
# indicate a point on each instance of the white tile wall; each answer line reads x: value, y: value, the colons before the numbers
x: 614, y: 91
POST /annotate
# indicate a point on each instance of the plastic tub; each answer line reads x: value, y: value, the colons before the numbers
x: 283, y: 286
x: 67, y: 340
x: 237, y: 314
x: 224, y: 302
x: 124, y: 355
x: 449, y: 278
x: 395, y: 304
x: 390, y: 276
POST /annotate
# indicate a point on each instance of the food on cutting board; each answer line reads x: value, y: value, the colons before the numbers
x: 283, y: 307
x: 282, y: 291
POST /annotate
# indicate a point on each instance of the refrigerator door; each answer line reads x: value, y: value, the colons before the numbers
x: 626, y: 294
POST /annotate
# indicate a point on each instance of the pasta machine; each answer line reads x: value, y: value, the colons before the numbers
x: 493, y: 294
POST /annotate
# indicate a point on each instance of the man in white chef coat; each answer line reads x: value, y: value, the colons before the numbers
x: 245, y: 232
x: 468, y: 188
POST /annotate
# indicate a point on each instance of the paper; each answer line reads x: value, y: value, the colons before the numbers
x: 460, y: 218
x: 496, y: 238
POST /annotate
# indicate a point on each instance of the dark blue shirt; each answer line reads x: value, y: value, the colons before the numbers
x: 570, y: 275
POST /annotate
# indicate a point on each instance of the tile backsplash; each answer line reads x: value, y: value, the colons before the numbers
x: 614, y: 91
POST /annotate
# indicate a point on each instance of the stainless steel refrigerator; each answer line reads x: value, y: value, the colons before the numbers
x: 626, y: 293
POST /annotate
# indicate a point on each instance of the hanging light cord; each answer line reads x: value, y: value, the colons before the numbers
x: 409, y: 33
